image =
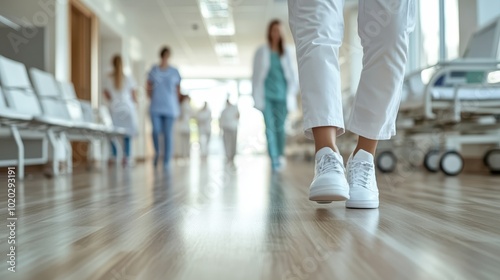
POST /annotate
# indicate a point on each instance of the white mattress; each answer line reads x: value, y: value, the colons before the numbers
x: 486, y: 93
x: 446, y: 93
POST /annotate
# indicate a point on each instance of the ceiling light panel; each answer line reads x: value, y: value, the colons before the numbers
x: 220, y: 26
x: 214, y: 8
x: 226, y: 49
x: 218, y: 17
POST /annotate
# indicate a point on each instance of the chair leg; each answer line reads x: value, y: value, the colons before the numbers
x: 20, y: 151
x: 53, y: 144
x: 105, y: 150
x: 69, y: 153
x: 90, y: 154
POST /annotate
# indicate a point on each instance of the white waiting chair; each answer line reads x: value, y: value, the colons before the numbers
x: 81, y: 110
x: 18, y: 109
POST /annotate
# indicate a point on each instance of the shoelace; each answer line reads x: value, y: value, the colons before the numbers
x: 329, y: 163
x: 360, y: 173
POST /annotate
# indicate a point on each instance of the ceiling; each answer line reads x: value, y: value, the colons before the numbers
x: 179, y: 24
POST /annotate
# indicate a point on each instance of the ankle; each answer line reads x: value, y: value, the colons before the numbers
x: 331, y: 146
x: 367, y: 145
x: 325, y: 137
x: 357, y: 149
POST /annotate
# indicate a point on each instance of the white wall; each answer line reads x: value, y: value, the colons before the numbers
x: 32, y: 15
x: 16, y: 47
x: 108, y: 48
x: 54, y: 16
x: 127, y: 40
x: 487, y: 10
x: 468, y: 21
x: 116, y: 17
x: 60, y: 39
x: 353, y: 50
x: 142, y: 146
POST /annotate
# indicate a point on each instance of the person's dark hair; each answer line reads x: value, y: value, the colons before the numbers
x: 164, y: 51
x: 281, y: 47
x: 117, y: 74
x: 183, y: 97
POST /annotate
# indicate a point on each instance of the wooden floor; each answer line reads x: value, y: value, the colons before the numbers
x: 205, y: 221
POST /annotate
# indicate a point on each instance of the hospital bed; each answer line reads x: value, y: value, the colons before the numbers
x: 31, y: 119
x: 450, y: 104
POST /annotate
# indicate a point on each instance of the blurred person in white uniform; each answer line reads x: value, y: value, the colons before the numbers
x: 204, y: 121
x: 274, y: 83
x: 184, y: 128
x: 120, y: 92
x: 228, y: 122
x: 317, y: 27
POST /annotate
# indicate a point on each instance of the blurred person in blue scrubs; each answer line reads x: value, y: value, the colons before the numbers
x: 164, y: 90
x: 275, y: 87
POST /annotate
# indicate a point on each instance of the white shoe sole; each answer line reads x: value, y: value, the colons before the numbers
x: 362, y: 204
x: 328, y: 193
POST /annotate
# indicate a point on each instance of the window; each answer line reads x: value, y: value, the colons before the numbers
x: 452, y: 29
x: 429, y: 28
x: 430, y: 35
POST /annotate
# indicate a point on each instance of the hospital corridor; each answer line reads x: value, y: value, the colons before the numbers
x: 249, y: 139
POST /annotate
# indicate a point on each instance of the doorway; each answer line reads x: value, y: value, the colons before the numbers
x: 83, y: 42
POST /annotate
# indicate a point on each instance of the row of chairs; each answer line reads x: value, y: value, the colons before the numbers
x: 40, y: 117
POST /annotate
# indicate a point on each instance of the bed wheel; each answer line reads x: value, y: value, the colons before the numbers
x: 431, y: 161
x: 386, y: 162
x: 451, y: 163
x: 492, y: 160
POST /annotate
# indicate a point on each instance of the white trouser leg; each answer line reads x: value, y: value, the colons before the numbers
x: 186, y: 145
x: 318, y: 28
x: 234, y: 143
x: 227, y: 143
x: 384, y: 27
x: 209, y: 134
x: 204, y: 143
x: 230, y: 137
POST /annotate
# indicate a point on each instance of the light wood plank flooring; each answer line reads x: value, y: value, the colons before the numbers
x: 206, y: 221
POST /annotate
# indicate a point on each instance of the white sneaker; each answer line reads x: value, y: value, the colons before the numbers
x: 362, y: 181
x: 329, y: 182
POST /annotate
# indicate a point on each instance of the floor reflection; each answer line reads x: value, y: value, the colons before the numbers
x: 208, y: 220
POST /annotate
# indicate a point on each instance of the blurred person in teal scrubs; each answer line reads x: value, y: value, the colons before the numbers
x: 274, y: 83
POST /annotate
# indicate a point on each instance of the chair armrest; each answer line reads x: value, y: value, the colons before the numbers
x: 14, y: 116
x: 50, y: 97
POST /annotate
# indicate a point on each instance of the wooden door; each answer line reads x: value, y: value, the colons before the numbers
x: 83, y: 53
